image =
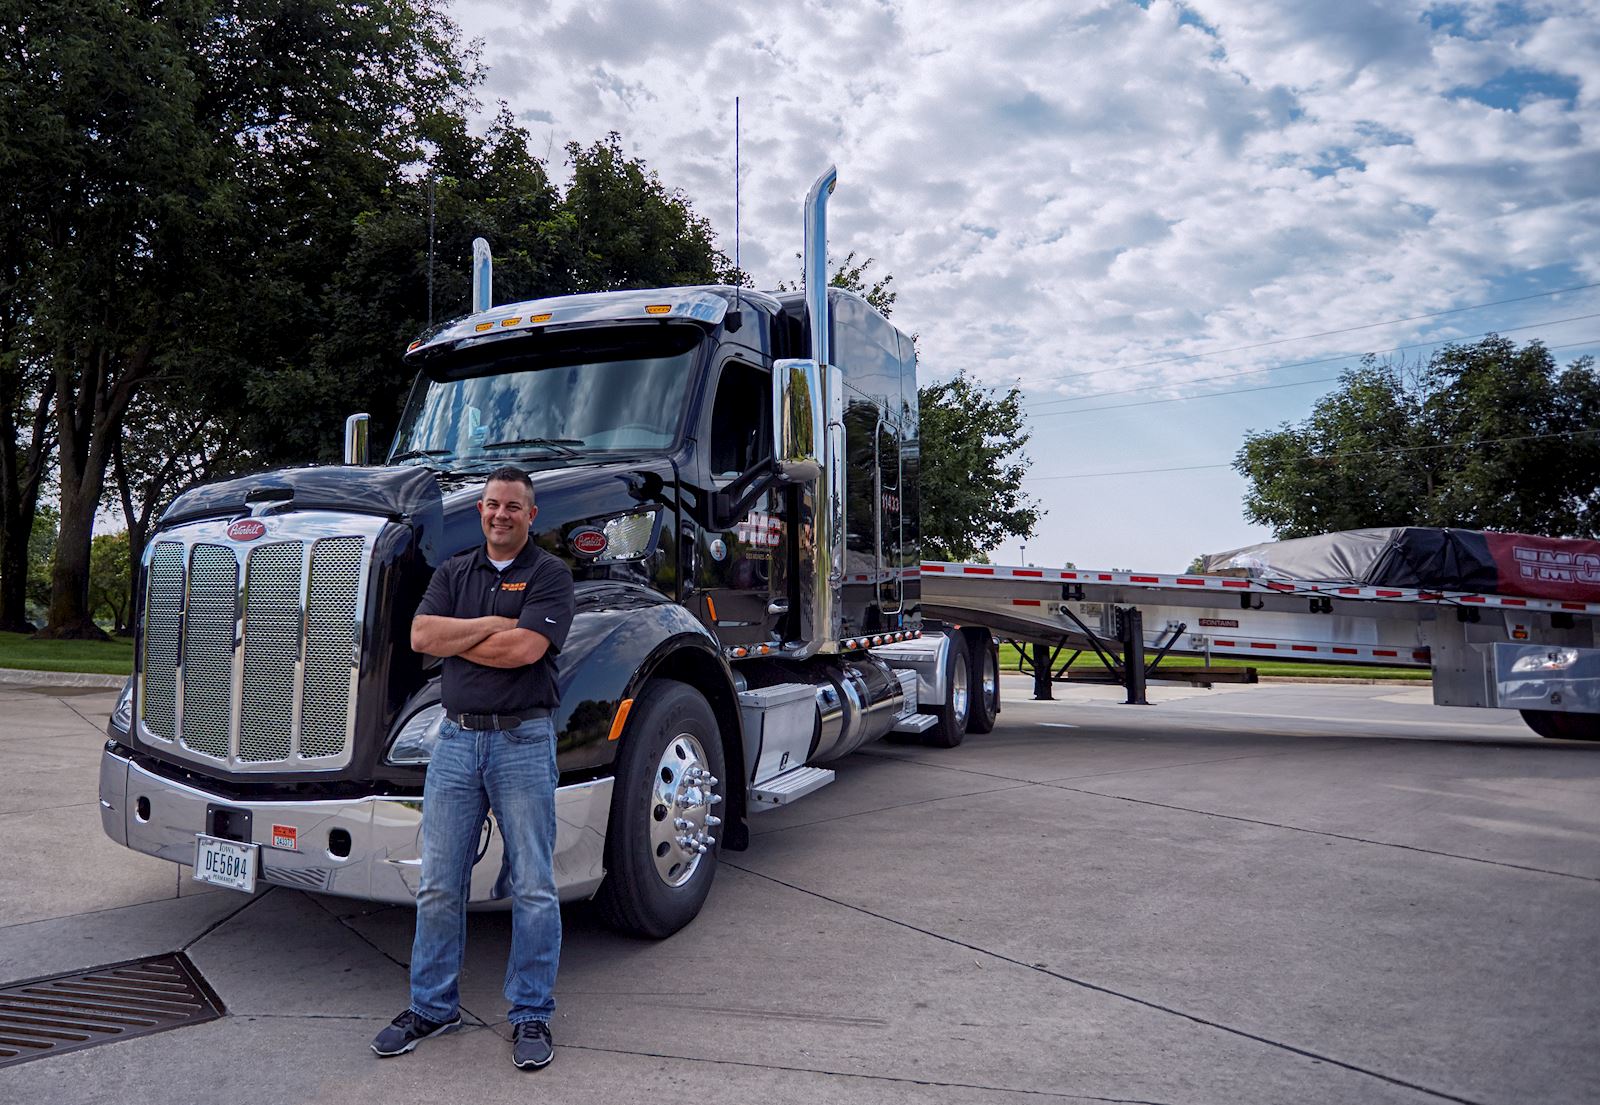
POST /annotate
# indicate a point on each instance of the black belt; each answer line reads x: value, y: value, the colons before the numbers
x: 499, y: 721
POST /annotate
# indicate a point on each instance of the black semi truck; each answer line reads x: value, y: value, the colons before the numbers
x: 733, y: 478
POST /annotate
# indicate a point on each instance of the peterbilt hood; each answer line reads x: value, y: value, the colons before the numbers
x: 403, y: 494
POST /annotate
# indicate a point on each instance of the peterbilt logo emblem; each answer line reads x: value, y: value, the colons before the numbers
x: 1549, y: 566
x: 589, y: 542
x: 246, y: 529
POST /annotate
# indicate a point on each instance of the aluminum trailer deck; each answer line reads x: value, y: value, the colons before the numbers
x: 1540, y: 656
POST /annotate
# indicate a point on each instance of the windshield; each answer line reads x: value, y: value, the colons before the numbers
x: 547, y: 403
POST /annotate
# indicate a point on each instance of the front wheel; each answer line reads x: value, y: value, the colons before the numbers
x: 1563, y: 726
x: 661, y: 843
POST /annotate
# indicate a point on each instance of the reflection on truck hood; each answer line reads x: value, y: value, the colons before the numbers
x: 566, y: 495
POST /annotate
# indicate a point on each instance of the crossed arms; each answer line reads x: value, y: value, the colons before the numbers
x: 492, y: 641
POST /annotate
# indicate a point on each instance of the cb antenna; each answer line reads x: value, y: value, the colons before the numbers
x: 738, y: 272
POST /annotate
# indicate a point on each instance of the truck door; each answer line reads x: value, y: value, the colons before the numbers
x: 746, y: 565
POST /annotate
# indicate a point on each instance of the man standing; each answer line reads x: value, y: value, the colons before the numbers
x: 498, y: 615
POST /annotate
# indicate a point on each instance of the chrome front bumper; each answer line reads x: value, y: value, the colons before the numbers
x: 384, y: 861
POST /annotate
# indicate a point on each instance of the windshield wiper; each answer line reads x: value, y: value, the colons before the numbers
x: 554, y: 444
x: 413, y: 454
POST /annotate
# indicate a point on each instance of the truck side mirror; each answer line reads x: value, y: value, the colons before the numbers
x: 797, y: 420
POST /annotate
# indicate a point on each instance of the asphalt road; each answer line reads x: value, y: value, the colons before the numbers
x: 1280, y: 893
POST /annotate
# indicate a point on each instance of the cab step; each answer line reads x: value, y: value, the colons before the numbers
x: 915, y: 723
x: 780, y: 790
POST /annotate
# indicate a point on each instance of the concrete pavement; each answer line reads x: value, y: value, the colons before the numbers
x: 1279, y: 893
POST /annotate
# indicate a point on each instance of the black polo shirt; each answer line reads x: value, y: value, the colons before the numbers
x: 535, y: 589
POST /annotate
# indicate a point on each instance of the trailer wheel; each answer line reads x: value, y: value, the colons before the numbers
x: 1563, y: 726
x: 661, y: 843
x: 952, y: 725
x: 985, y: 698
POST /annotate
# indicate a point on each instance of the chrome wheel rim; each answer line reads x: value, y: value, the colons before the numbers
x: 958, y: 691
x: 680, y: 816
x: 990, y: 682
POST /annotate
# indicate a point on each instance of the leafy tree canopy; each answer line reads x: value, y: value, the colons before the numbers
x: 972, y: 469
x: 1481, y: 436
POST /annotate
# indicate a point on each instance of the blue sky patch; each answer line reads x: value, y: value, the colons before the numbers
x: 1515, y: 87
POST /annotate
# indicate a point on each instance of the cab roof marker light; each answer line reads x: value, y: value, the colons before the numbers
x: 512, y: 321
x: 692, y: 304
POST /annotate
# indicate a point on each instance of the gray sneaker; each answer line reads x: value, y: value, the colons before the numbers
x: 406, y: 1030
x: 531, y: 1046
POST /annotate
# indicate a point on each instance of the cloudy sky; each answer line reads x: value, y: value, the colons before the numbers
x: 1121, y: 207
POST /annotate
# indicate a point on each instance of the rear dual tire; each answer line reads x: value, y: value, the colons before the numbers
x: 953, y: 714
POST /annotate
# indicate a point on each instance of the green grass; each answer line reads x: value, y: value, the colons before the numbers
x: 113, y: 657
x: 1090, y: 663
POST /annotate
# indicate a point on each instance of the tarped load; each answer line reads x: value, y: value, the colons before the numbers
x: 1558, y: 568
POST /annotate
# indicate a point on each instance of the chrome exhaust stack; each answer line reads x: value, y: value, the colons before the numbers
x: 827, y: 573
x: 482, y: 276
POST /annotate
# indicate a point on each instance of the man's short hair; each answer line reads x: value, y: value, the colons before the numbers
x: 509, y: 473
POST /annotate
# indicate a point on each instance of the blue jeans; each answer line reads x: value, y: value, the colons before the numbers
x: 514, y: 772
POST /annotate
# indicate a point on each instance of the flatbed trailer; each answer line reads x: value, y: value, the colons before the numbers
x: 1539, y: 656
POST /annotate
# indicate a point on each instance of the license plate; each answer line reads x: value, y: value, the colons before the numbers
x: 225, y: 863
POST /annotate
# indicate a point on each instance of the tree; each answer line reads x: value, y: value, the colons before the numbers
x: 168, y: 442
x: 25, y: 444
x: 972, y: 469
x: 110, y: 580
x: 620, y: 227
x: 194, y: 162
x: 45, y: 524
x: 1482, y: 436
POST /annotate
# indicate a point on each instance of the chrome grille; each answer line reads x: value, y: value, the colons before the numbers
x: 331, y: 637
x: 250, y: 651
x: 271, y: 650
x: 163, y: 612
x: 211, y: 620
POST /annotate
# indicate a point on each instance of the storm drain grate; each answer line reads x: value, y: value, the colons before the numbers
x: 51, y: 1015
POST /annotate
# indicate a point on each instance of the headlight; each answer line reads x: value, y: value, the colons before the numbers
x: 413, y: 745
x: 628, y: 537
x: 122, y: 713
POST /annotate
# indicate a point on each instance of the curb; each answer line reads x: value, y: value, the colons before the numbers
x: 21, y: 677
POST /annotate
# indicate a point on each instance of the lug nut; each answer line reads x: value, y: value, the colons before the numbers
x: 712, y: 821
